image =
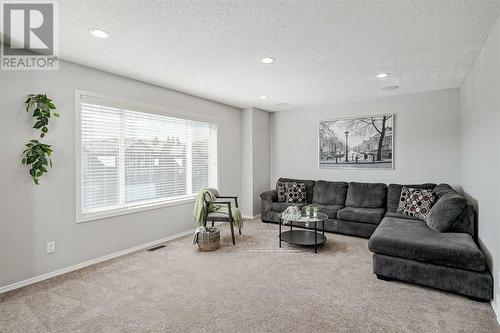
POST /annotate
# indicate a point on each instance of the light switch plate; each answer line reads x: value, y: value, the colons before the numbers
x: 51, y: 247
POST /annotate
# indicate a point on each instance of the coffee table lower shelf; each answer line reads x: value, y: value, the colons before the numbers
x: 302, y: 237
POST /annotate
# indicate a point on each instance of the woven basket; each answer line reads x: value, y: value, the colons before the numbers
x: 209, y: 240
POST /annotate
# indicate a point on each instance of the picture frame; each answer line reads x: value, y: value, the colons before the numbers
x: 363, y: 142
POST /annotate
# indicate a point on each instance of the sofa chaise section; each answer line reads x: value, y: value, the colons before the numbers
x: 407, y: 249
x: 414, y: 240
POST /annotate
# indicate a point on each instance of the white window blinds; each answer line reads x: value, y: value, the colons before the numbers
x: 131, y: 158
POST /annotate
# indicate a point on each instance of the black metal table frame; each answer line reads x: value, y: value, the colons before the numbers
x: 280, y: 222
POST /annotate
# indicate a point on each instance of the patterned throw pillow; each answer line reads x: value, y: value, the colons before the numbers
x: 415, y: 202
x: 295, y: 192
x: 280, y: 188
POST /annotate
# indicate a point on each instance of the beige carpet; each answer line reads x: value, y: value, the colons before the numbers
x: 251, y: 287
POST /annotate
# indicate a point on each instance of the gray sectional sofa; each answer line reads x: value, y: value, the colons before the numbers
x: 404, y: 248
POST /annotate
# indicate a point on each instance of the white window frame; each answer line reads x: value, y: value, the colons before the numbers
x: 139, y: 107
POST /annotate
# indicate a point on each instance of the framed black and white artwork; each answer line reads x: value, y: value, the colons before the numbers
x: 357, y: 143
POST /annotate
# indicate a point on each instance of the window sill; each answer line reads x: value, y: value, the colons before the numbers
x: 132, y: 210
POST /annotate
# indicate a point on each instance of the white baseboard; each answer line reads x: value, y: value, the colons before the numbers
x: 496, y: 310
x: 84, y: 264
x: 251, y: 217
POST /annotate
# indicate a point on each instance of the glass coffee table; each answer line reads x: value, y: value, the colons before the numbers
x: 302, y: 236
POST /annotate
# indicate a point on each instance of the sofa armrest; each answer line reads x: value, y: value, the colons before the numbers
x: 267, y: 199
x: 272, y: 195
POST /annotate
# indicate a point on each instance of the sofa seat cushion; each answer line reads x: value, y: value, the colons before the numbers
x: 280, y: 207
x: 366, y: 195
x: 405, y: 238
x: 329, y: 210
x: 365, y: 215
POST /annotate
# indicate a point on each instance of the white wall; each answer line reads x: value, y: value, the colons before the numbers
x: 255, y: 154
x: 427, y: 139
x: 480, y: 149
x: 261, y: 156
x: 32, y: 215
x: 246, y: 202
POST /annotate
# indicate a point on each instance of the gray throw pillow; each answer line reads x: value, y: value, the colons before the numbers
x: 445, y: 211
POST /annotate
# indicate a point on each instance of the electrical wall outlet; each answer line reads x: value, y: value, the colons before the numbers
x: 51, y: 247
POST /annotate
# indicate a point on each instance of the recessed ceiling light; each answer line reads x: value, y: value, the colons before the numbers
x: 268, y: 60
x: 388, y: 88
x: 263, y: 97
x: 382, y: 75
x: 98, y: 33
x: 282, y: 104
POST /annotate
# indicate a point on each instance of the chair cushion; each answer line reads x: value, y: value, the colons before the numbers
x: 365, y: 215
x: 366, y: 195
x: 329, y: 210
x: 218, y: 216
x: 281, y: 206
x: 394, y: 193
x: 446, y: 211
x: 414, y: 240
x: 308, y: 183
x: 329, y: 193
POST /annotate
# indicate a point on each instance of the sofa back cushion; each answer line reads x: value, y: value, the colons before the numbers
x: 394, y: 193
x: 329, y: 193
x: 446, y: 211
x: 441, y: 190
x: 453, y: 214
x: 366, y: 195
x: 308, y: 183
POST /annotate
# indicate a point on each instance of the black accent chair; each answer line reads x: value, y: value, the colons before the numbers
x: 220, y: 216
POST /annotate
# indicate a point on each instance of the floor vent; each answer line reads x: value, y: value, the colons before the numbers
x: 155, y: 248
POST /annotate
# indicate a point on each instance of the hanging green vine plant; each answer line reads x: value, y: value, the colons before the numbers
x: 42, y: 107
x: 37, y: 155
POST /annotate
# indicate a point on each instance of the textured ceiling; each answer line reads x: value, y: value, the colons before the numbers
x: 326, y: 51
